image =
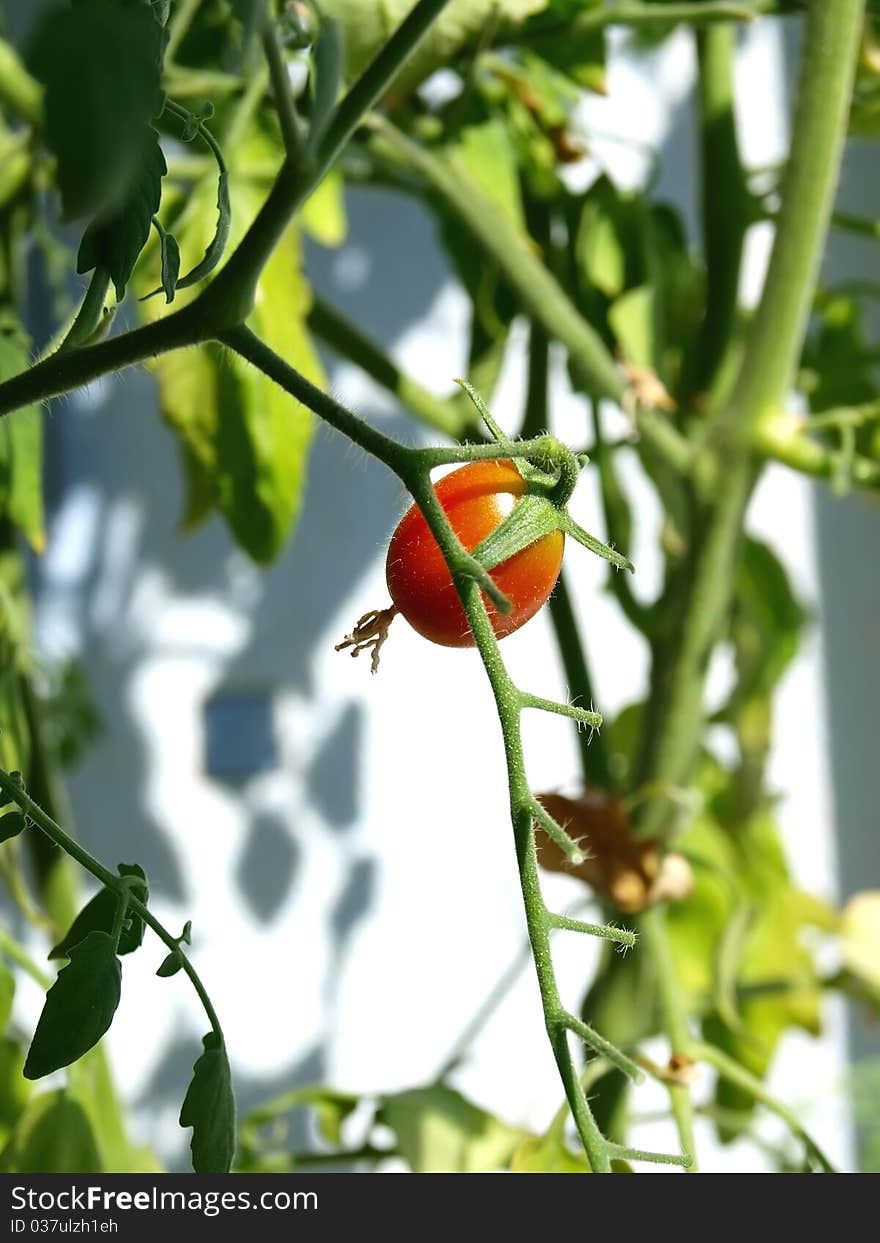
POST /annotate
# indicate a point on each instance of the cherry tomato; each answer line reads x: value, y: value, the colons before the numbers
x: 476, y: 499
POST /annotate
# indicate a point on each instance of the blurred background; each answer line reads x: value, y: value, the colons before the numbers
x: 299, y: 811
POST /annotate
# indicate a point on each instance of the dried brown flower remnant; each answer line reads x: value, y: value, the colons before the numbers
x: 628, y: 870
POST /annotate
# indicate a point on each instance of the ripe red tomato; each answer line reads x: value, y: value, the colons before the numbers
x: 476, y: 499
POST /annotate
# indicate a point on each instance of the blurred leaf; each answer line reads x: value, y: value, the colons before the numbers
x: 100, y: 65
x: 438, y: 1131
x: 837, y: 370
x: 555, y: 35
x: 115, y: 242
x: 21, y: 447
x: 768, y: 620
x: 52, y: 1136
x: 484, y: 154
x: 15, y: 1090
x: 332, y: 1110
x: 777, y: 984
x: 323, y: 214
x: 860, y: 940
x: 79, y: 1006
x: 246, y: 441
x: 209, y: 1108
x: 632, y: 320
x: 462, y: 26
x: 546, y: 1155
x: 99, y: 915
x: 7, y: 993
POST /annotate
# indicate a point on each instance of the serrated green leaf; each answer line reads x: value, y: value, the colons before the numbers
x: 209, y: 1108
x: 99, y: 915
x: 217, y: 245
x: 439, y: 1131
x: 52, y: 1136
x: 100, y: 65
x: 21, y: 448
x: 116, y: 241
x: 170, y: 258
x: 79, y: 1006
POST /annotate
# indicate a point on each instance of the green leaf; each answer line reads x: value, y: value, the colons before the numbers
x: 632, y: 320
x: 170, y: 965
x: 15, y: 1090
x: 461, y: 27
x: 217, y: 245
x: 485, y: 155
x: 860, y: 940
x: 52, y: 1136
x: 11, y: 824
x: 116, y: 241
x: 21, y: 448
x: 170, y: 258
x: 554, y: 34
x: 99, y: 915
x: 439, y: 1131
x: 209, y: 1108
x: 100, y: 65
x: 547, y: 1154
x: 246, y: 441
x: 323, y: 214
x: 79, y: 1006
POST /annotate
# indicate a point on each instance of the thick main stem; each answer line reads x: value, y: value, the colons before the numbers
x: 702, y: 585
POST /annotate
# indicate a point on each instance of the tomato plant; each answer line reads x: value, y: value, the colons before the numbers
x: 206, y: 202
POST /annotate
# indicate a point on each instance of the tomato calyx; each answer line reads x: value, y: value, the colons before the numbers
x: 369, y: 634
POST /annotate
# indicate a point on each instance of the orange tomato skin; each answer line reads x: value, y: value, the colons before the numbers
x: 476, y: 499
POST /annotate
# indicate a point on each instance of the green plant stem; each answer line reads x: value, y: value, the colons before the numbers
x: 777, y: 331
x: 782, y: 440
x: 696, y: 12
x: 724, y: 195
x: 734, y: 1073
x: 726, y: 472
x: 347, y: 340
x: 90, y: 313
x: 652, y: 926
x: 291, y: 131
x: 117, y: 884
